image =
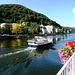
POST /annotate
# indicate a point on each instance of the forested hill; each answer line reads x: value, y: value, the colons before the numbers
x: 14, y: 13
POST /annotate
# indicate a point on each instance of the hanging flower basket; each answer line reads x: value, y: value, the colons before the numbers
x: 66, y: 51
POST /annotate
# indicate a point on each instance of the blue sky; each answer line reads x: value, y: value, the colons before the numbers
x: 57, y: 10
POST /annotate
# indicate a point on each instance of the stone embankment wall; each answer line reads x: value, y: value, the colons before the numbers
x: 19, y: 36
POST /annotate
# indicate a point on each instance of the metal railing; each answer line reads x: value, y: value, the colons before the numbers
x: 69, y: 67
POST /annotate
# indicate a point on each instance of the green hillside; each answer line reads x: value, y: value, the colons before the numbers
x: 14, y: 13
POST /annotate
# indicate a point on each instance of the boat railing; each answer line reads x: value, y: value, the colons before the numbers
x: 69, y: 67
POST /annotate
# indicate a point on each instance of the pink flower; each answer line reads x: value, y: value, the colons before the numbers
x: 66, y: 55
x: 69, y: 56
x: 71, y: 51
x: 70, y: 47
x: 66, y: 51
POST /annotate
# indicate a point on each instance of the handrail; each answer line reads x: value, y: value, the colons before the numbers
x: 62, y: 69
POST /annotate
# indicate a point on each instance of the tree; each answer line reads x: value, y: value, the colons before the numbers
x: 5, y: 29
x: 33, y: 27
x: 38, y: 28
x: 62, y: 30
x: 65, y: 30
x: 16, y: 28
x: 1, y: 18
x: 0, y: 30
x: 28, y: 24
x: 8, y: 21
x: 53, y: 31
x: 14, y: 13
x: 24, y: 29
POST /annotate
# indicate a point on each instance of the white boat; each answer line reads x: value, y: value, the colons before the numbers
x: 38, y: 42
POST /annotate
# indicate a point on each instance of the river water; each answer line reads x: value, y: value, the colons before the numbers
x: 15, y: 59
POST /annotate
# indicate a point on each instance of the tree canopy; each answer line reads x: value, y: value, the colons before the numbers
x: 14, y: 13
x: 5, y: 29
x: 15, y: 28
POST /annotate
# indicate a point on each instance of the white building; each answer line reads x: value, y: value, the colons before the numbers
x: 10, y: 24
x: 56, y: 30
x: 2, y: 24
x: 67, y: 31
x: 70, y: 30
x: 49, y: 29
x: 43, y: 28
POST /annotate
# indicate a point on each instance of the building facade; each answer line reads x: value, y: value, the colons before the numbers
x: 43, y: 29
x: 50, y: 29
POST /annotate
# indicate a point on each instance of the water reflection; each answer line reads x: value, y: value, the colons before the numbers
x: 13, y: 43
x: 23, y: 42
x: 36, y: 53
x: 39, y: 53
x: 52, y: 39
x: 18, y: 59
x: 8, y: 63
x: 28, y: 62
x: 65, y: 36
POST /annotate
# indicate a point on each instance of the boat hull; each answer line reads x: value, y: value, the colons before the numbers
x: 48, y: 45
x: 42, y: 46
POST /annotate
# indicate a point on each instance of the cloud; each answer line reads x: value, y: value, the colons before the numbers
x: 74, y: 10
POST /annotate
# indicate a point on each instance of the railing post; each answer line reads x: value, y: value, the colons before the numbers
x: 73, y: 65
x: 70, y: 67
x: 67, y: 70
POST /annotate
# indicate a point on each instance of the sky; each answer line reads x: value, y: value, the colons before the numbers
x: 60, y: 11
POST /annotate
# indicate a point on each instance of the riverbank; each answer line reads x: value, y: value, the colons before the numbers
x: 25, y: 36
x: 19, y: 36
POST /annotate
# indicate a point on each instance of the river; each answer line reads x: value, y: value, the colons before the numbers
x: 15, y: 59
